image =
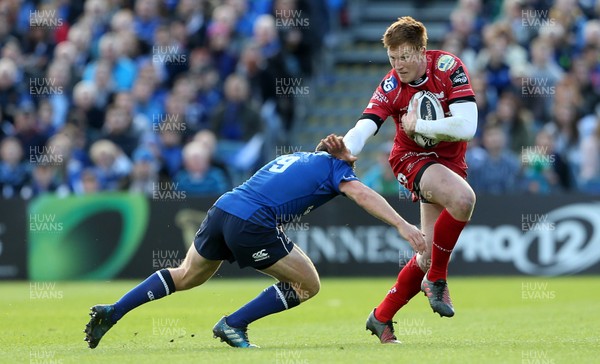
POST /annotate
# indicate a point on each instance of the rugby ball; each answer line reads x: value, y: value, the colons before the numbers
x: 428, y: 108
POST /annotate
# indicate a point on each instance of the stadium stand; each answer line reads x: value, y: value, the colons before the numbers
x: 145, y: 76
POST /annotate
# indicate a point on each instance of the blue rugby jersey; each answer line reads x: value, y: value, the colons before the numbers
x: 286, y: 188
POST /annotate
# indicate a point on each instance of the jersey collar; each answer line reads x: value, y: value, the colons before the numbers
x: 419, y: 81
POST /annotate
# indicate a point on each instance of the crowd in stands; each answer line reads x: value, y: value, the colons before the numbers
x: 122, y: 95
x: 125, y: 95
x: 535, y: 69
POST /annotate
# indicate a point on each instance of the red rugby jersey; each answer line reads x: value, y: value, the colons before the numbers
x: 447, y: 78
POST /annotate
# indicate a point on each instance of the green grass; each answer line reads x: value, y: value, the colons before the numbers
x: 498, y: 320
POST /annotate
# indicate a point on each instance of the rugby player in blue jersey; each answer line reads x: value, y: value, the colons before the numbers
x: 244, y: 225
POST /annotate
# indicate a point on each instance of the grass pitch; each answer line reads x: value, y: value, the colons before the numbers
x: 498, y: 320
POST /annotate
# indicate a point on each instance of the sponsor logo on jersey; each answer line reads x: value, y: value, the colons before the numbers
x: 402, y: 178
x: 439, y: 96
x: 260, y: 255
x: 446, y: 62
x: 378, y: 96
x: 389, y: 84
x: 459, y: 77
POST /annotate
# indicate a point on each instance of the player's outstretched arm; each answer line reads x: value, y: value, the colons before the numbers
x: 377, y: 206
x: 356, y: 137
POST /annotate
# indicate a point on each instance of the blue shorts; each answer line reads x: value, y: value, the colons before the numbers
x: 223, y: 236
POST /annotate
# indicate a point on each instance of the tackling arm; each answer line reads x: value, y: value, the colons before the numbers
x: 377, y: 206
x: 356, y: 137
x: 461, y: 126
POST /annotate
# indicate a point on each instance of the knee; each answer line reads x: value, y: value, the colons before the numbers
x: 463, y: 206
x: 315, y: 287
x: 308, y: 290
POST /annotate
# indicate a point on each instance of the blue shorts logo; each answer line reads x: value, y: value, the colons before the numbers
x: 389, y: 84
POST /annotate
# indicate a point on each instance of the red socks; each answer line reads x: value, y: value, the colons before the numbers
x: 406, y: 287
x: 445, y: 235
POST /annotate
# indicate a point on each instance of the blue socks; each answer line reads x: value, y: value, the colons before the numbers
x: 276, y: 298
x: 158, y: 285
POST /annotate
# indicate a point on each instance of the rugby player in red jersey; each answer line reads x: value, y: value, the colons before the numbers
x: 435, y: 175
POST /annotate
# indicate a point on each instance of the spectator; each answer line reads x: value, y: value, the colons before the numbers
x: 89, y: 182
x: 466, y: 26
x: 198, y: 178
x: 544, y: 170
x: 516, y: 122
x: 13, y: 171
x: 268, y: 42
x: 60, y: 148
x: 298, y: 34
x: 208, y: 95
x: 56, y: 87
x: 44, y: 180
x: 111, y: 165
x: 493, y: 168
x: 380, y: 177
x: 543, y: 75
x: 565, y: 134
x: 168, y: 150
x: 491, y: 61
x: 11, y: 97
x: 147, y: 19
x: 85, y: 114
x: 515, y: 14
x: 195, y: 16
x: 104, y: 84
x: 80, y: 35
x: 123, y: 70
x: 586, y: 73
x: 589, y: 175
x: 118, y: 129
x: 238, y: 123
x: 209, y: 140
x: 224, y: 57
x: 28, y: 132
x: 144, y: 176
x: 146, y: 100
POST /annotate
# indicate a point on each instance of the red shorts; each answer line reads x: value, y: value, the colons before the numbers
x: 409, y: 166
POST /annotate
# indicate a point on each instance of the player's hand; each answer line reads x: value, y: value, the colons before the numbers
x: 336, y: 147
x: 409, y: 120
x: 414, y: 236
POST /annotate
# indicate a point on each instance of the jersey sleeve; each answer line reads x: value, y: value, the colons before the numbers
x: 458, y: 84
x: 380, y: 104
x: 341, y: 172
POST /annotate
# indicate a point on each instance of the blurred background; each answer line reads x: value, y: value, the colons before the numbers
x: 173, y: 102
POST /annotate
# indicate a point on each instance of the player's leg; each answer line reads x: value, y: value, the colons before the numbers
x: 445, y: 188
x: 429, y: 215
x: 278, y: 257
x: 193, y: 271
x: 298, y: 281
x: 408, y: 283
